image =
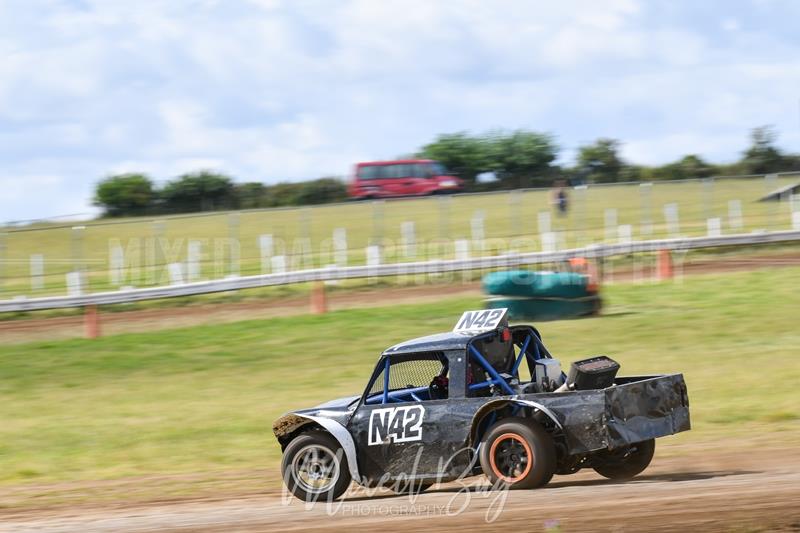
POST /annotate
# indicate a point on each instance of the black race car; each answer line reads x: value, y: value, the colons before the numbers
x: 450, y: 405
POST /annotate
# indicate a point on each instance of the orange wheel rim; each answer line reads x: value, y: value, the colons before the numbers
x: 493, y: 457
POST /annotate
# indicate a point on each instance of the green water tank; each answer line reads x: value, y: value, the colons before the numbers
x: 530, y: 295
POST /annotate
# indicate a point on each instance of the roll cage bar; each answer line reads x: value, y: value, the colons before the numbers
x: 531, y: 345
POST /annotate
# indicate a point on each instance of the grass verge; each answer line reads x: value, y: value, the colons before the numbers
x: 202, y: 399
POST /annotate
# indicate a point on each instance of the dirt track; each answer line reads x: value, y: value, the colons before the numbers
x: 741, y: 489
x: 705, y: 492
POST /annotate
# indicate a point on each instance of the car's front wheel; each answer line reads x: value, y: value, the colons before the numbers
x: 518, y: 453
x: 315, y: 468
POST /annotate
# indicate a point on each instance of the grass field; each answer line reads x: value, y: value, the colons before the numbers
x: 304, y: 235
x: 202, y: 399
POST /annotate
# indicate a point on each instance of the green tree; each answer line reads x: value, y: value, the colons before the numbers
x: 634, y: 173
x: 125, y: 195
x: 601, y: 160
x: 199, y: 191
x: 521, y: 158
x: 281, y: 194
x: 460, y: 153
x: 250, y: 195
x: 693, y: 166
x: 762, y: 157
x: 688, y: 167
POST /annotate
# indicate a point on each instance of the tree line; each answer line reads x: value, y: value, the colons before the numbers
x: 526, y: 159
x: 136, y: 194
x: 490, y: 161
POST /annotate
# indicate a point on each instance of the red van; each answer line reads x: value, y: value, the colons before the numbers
x: 410, y: 177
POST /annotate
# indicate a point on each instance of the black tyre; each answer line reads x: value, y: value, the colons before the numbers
x: 518, y: 453
x: 315, y: 468
x: 627, y: 462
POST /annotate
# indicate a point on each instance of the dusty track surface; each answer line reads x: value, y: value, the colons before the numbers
x: 15, y: 331
x: 749, y: 491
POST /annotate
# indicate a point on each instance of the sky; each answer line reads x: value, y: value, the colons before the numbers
x: 271, y: 90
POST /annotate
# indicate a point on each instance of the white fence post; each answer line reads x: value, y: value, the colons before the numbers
x: 624, y: 233
x: 373, y: 259
x: 193, y: 254
x: 735, y: 214
x: 37, y: 272
x: 462, y: 250
x: 278, y: 264
x: 714, y: 227
x: 549, y: 243
x: 373, y: 256
x: 266, y: 248
x: 116, y: 262
x: 175, y: 273
x: 672, y: 219
x: 75, y: 283
x: 408, y: 239
x: 302, y: 254
x: 340, y: 246
x: 544, y: 222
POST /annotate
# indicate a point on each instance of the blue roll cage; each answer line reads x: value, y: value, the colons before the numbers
x: 496, y: 379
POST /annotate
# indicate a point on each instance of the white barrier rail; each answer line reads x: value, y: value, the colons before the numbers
x: 395, y: 269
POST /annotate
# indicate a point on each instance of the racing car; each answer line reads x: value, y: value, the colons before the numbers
x: 456, y: 404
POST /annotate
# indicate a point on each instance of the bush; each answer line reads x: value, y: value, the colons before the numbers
x: 125, y: 195
x: 250, y: 195
x: 198, y: 191
x: 321, y: 191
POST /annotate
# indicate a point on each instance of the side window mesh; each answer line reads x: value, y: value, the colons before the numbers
x: 415, y: 373
x: 411, y: 373
x: 377, y: 386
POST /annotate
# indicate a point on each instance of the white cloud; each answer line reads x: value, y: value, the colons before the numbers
x: 730, y: 24
x: 271, y: 90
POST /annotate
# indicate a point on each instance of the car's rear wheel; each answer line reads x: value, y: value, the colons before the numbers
x: 315, y: 468
x: 627, y: 462
x: 518, y: 453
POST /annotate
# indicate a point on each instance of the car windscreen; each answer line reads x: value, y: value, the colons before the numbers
x: 439, y: 170
x: 396, y: 171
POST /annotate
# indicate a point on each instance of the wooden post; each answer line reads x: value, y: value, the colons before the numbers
x: 664, y: 264
x: 91, y: 320
x: 319, y: 303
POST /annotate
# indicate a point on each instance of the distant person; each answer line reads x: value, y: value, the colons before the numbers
x: 560, y: 199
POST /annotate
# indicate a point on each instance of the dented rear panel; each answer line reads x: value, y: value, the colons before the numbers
x: 642, y: 408
x: 633, y: 410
